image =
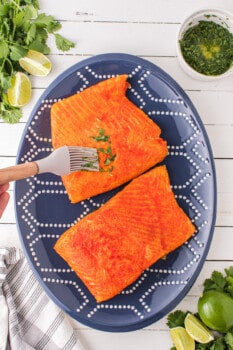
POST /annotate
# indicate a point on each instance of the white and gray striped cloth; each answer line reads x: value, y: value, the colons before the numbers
x: 28, y: 318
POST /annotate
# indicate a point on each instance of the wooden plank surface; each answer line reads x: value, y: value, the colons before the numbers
x: 147, y: 29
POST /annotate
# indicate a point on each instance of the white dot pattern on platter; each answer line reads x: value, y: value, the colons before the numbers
x: 36, y: 154
x: 136, y: 285
x: 99, y: 76
x: 85, y: 82
x: 176, y: 108
x: 123, y: 307
x: 150, y: 270
x: 193, y: 191
x: 166, y: 113
x: 196, y: 238
x: 140, y: 99
x: 151, y: 96
x: 31, y: 196
x: 135, y: 71
x: 197, y: 154
x: 85, y: 300
x: 56, y: 270
x: 159, y: 284
x: 191, y: 205
x: 191, y: 161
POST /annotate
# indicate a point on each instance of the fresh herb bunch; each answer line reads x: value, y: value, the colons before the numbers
x: 219, y: 282
x: 22, y: 27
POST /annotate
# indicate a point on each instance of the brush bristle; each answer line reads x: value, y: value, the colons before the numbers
x: 83, y: 158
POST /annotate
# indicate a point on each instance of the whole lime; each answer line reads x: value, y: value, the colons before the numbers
x: 216, y: 310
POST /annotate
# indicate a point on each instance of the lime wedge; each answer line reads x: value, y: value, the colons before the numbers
x: 19, y: 93
x: 197, y: 330
x: 36, y: 63
x: 181, y: 339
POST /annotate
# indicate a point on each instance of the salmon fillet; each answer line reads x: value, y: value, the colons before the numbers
x: 99, y: 113
x: 110, y: 248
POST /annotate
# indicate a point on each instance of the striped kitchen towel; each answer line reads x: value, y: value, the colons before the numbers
x: 28, y: 318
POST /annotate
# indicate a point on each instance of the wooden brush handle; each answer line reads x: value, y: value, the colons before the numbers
x: 17, y: 172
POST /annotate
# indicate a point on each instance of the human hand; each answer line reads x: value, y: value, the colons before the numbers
x: 4, y: 197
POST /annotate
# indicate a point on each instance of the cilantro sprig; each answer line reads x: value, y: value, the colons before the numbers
x: 176, y: 319
x: 22, y: 28
x: 219, y: 282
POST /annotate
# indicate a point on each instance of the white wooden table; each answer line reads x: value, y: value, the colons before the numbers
x: 147, y: 29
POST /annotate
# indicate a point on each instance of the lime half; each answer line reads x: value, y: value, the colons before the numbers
x: 197, y: 330
x: 19, y: 93
x: 36, y: 63
x: 181, y: 339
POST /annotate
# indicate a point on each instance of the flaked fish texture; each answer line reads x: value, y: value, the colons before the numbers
x: 110, y: 248
x: 101, y: 116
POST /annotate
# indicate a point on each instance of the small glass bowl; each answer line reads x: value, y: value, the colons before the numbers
x: 219, y: 16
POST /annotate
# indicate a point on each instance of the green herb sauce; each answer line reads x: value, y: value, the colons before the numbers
x: 208, y: 48
x: 107, y: 151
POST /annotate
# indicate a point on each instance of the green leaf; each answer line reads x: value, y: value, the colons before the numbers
x: 16, y: 52
x: 40, y: 46
x: 218, y: 344
x: 219, y: 279
x: 229, y: 285
x: 43, y: 20
x: 4, y: 9
x: 34, y: 3
x: 32, y: 11
x: 216, y: 282
x: 5, y: 28
x: 22, y: 19
x: 47, y: 22
x: 5, y: 80
x: 8, y: 67
x: 62, y: 43
x: 208, y: 284
x: 4, y: 49
x: 10, y: 114
x: 39, y: 43
x: 18, y: 20
x: 31, y: 34
x: 229, y: 271
x: 41, y: 35
x: 176, y: 319
x: 229, y: 340
x: 53, y: 26
x: 202, y: 346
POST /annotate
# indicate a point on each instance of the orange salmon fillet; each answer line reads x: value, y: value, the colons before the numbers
x: 134, y: 138
x: 110, y: 248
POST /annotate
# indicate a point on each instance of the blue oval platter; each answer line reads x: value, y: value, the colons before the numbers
x: 44, y: 212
